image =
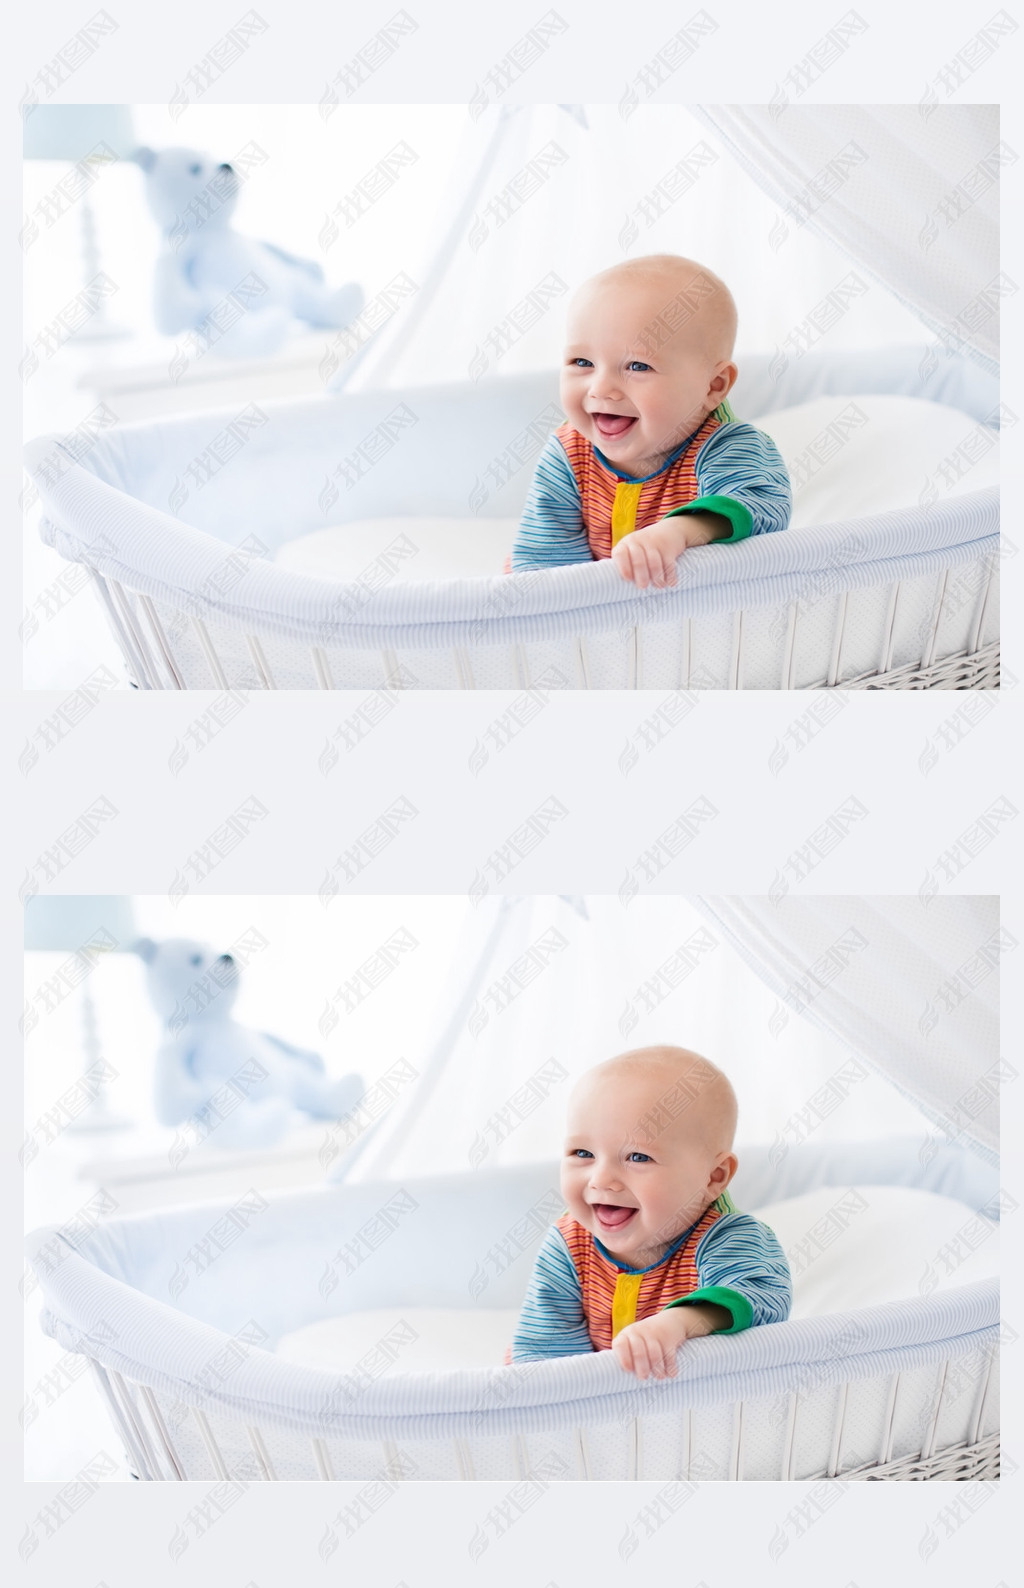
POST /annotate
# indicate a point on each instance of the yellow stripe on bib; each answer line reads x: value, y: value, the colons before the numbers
x: 627, y: 1289
x: 627, y: 500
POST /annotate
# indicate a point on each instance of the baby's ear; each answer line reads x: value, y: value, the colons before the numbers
x: 144, y: 157
x: 723, y: 1172
x: 145, y: 948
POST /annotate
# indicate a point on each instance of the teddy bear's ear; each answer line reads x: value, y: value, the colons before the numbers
x: 145, y: 948
x: 145, y: 157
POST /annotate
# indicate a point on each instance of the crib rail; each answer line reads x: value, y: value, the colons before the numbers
x: 936, y: 1422
x: 938, y: 631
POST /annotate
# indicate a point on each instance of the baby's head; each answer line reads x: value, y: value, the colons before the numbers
x: 648, y: 357
x: 648, y: 1149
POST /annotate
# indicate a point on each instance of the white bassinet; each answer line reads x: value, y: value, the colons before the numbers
x: 179, y: 1313
x: 177, y: 519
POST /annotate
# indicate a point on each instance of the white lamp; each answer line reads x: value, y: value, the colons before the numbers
x: 84, y: 926
x: 87, y: 137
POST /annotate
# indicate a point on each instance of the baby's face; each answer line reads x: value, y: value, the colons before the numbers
x: 631, y: 384
x: 633, y: 1185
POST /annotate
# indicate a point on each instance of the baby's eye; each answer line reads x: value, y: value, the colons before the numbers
x: 581, y: 363
x: 580, y: 1152
x: 639, y: 1157
x: 637, y: 364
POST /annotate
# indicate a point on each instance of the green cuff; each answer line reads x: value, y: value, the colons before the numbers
x: 722, y: 1296
x: 740, y: 517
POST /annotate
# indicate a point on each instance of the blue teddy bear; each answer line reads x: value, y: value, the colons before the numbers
x: 238, y: 294
x: 233, y: 1085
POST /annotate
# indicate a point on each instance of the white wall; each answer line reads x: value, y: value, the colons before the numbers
x: 582, y: 1008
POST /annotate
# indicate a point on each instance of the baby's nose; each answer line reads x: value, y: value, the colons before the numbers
x: 605, y: 383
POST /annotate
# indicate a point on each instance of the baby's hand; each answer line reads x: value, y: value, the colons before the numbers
x: 648, y: 556
x: 649, y: 1348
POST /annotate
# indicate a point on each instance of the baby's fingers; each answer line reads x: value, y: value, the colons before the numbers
x: 669, y: 569
x: 646, y: 1355
x: 622, y: 559
x: 623, y: 1347
x: 660, y: 1359
x: 632, y: 564
x: 661, y: 568
x: 639, y: 1361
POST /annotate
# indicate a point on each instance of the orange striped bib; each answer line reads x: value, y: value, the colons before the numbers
x: 612, y: 1299
x: 612, y: 507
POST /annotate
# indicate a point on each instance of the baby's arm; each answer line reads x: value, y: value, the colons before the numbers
x: 743, y: 489
x: 743, y: 1280
x: 648, y: 1348
x: 552, y: 1322
x: 740, y: 473
x: 551, y: 530
x: 742, y: 1268
x: 648, y: 556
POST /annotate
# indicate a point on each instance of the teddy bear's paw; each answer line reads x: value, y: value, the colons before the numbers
x: 338, y: 308
x: 333, y: 1099
x: 259, y: 333
x: 259, y: 1124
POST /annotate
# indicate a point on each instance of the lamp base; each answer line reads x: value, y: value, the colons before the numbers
x: 98, y: 1116
x: 98, y: 330
x: 110, y: 332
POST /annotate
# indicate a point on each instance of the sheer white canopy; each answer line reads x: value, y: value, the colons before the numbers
x: 910, y: 193
x: 542, y: 196
x: 911, y: 984
x: 852, y: 1002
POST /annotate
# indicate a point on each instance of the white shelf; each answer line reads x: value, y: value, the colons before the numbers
x: 166, y: 1176
x: 142, y: 381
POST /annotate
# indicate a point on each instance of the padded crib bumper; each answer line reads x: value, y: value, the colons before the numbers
x: 186, y: 570
x: 180, y: 1309
x: 178, y: 518
x: 150, y: 1343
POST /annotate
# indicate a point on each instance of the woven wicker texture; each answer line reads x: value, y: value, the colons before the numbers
x: 847, y: 642
x: 821, y: 1433
x: 962, y: 1464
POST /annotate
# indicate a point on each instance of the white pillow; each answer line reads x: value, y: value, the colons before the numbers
x: 859, y: 1246
x: 851, y: 456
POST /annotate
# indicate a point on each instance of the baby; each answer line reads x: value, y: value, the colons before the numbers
x: 651, y: 459
x: 651, y: 1251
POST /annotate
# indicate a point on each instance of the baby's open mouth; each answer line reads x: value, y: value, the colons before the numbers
x: 611, y: 425
x: 612, y: 1218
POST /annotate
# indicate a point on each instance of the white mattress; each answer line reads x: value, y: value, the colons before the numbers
x: 852, y: 1248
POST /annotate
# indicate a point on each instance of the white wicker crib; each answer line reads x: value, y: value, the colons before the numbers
x: 176, y: 521
x: 179, y: 1312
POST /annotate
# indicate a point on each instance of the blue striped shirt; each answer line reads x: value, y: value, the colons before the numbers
x: 736, y: 461
x: 738, y: 1253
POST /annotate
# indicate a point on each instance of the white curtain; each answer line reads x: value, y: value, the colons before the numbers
x: 910, y: 193
x: 911, y: 984
x: 542, y: 196
x: 543, y: 988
